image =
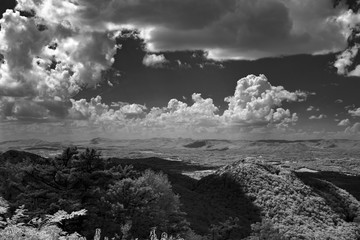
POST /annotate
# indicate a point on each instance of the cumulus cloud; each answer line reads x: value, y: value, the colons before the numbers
x: 312, y: 108
x: 256, y: 101
x: 355, y: 112
x: 344, y: 123
x: 345, y: 60
x: 354, y: 129
x: 133, y: 110
x: 339, y: 101
x: 97, y: 112
x: 155, y: 61
x: 256, y: 104
x: 344, y: 63
x: 254, y: 109
x: 321, y: 116
x: 177, y: 115
x: 53, y: 61
x: 47, y: 57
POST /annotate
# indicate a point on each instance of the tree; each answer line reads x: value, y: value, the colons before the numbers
x: 67, y: 155
x: 119, y: 199
x: 90, y: 160
x: 144, y: 203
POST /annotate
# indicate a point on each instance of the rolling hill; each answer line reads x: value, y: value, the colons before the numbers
x: 294, y: 205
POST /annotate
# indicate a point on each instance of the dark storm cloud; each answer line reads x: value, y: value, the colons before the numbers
x: 226, y: 28
x: 252, y: 24
x: 186, y: 14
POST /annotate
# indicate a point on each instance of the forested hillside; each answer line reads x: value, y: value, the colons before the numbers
x: 311, y: 209
x: 126, y: 198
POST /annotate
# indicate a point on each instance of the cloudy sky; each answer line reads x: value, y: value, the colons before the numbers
x: 238, y: 69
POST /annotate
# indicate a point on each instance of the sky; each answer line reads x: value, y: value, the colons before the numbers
x: 225, y: 69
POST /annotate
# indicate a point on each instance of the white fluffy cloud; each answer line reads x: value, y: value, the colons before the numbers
x: 55, y: 61
x: 48, y: 58
x: 345, y: 61
x: 99, y: 113
x: 176, y: 116
x: 353, y: 130
x: 256, y: 104
x: 155, y: 61
x: 339, y: 101
x: 355, y: 112
x: 255, y: 101
x: 201, y: 114
x: 321, y: 116
x: 344, y: 123
x: 312, y: 108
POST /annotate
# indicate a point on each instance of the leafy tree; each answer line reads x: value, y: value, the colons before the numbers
x: 145, y: 202
x: 67, y: 155
x: 90, y: 160
x: 117, y: 197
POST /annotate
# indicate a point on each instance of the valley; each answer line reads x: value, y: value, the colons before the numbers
x: 240, y: 186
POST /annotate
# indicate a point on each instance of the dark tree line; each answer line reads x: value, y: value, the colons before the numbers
x: 119, y: 200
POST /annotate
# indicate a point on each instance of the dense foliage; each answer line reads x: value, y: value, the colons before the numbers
x: 14, y: 227
x: 119, y: 200
x: 297, y: 210
x: 49, y: 228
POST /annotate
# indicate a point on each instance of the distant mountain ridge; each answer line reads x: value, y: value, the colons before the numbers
x: 181, y: 142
